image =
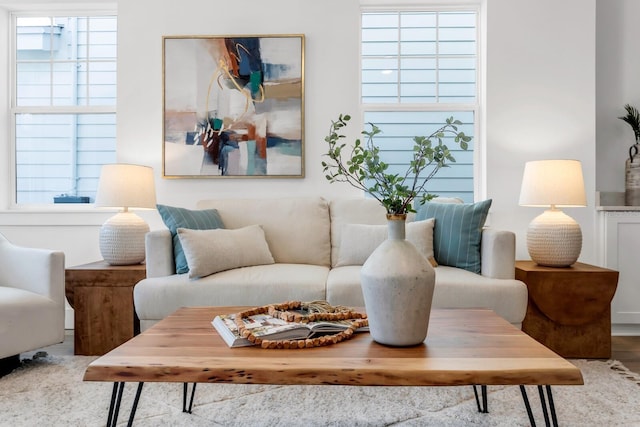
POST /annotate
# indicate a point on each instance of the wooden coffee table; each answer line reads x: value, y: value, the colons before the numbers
x: 463, y: 347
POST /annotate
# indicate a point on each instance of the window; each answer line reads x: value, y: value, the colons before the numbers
x: 418, y: 68
x: 63, y: 106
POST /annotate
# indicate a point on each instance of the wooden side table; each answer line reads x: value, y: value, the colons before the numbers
x: 102, y: 298
x: 569, y: 308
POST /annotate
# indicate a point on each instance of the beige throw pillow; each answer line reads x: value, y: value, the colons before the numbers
x: 358, y: 241
x: 212, y: 251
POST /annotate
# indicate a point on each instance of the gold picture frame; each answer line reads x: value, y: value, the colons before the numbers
x: 233, y: 106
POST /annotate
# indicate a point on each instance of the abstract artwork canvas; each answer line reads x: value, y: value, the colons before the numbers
x: 233, y: 106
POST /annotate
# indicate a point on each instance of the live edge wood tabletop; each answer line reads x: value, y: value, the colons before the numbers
x: 102, y: 298
x: 569, y: 308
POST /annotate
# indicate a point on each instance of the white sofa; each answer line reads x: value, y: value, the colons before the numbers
x: 303, y: 235
x: 31, y: 298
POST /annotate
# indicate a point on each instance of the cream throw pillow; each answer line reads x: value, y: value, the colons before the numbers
x: 358, y: 241
x: 212, y: 251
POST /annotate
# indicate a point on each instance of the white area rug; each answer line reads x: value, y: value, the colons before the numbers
x: 49, y: 391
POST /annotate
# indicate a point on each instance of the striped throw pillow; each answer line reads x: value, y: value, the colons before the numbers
x: 457, y: 233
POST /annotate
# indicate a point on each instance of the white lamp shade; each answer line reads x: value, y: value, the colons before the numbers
x: 126, y: 186
x: 553, y: 183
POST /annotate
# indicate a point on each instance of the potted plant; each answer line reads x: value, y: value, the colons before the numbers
x: 362, y: 165
x: 632, y: 167
x: 397, y: 280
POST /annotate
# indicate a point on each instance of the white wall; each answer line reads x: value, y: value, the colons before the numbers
x: 540, y: 103
x: 331, y: 87
x: 618, y: 74
x: 331, y: 76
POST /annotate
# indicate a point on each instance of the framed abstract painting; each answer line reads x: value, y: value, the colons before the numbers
x: 233, y: 106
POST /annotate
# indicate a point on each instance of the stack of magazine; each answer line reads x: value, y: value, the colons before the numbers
x: 268, y: 327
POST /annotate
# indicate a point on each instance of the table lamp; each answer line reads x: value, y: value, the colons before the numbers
x: 554, y: 239
x: 122, y: 236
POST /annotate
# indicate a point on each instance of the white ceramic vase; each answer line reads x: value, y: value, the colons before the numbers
x: 397, y: 284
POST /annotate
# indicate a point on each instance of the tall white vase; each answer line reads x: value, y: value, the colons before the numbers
x: 397, y: 284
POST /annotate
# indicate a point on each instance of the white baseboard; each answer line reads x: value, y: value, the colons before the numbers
x: 627, y: 329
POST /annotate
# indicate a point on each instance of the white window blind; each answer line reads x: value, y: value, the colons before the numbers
x: 418, y: 68
x: 63, y: 106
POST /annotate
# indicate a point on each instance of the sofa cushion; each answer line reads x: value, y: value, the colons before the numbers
x: 211, y: 251
x: 358, y: 241
x: 352, y: 211
x: 458, y: 288
x: 296, y: 229
x: 175, y: 218
x: 156, y: 298
x: 458, y: 232
x: 455, y: 288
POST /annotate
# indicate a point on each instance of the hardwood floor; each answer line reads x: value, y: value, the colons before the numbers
x: 627, y: 350
x: 624, y: 348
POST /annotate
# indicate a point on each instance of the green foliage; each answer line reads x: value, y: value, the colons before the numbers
x: 395, y: 192
x: 633, y: 119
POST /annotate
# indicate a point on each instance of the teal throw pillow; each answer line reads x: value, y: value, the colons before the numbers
x: 174, y: 218
x: 457, y: 233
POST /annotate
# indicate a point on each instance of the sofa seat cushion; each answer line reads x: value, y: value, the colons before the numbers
x: 455, y: 288
x: 26, y: 321
x: 458, y: 288
x: 343, y: 286
x: 156, y: 298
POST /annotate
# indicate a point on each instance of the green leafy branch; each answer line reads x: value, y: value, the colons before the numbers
x: 362, y: 163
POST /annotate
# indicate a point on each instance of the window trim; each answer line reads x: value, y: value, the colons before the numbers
x: 20, y: 11
x: 478, y: 6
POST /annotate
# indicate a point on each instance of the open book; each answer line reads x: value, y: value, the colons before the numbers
x: 271, y: 328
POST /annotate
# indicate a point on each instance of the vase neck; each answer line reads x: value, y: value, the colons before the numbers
x: 395, y: 227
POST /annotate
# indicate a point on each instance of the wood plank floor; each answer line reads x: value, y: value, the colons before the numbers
x: 626, y: 349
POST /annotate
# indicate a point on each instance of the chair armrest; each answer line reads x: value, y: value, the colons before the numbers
x: 498, y: 254
x: 40, y: 271
x: 159, y: 253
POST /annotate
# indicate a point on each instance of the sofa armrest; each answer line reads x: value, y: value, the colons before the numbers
x: 159, y: 253
x: 498, y: 254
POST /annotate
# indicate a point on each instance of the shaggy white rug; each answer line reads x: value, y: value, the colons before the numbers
x: 49, y: 391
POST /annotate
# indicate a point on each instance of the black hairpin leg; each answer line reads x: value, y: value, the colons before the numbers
x: 185, y: 389
x: 543, y: 402
x: 484, y: 407
x: 135, y: 404
x: 116, y: 400
x: 114, y: 406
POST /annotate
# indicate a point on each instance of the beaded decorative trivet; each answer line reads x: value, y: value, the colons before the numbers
x: 317, y: 311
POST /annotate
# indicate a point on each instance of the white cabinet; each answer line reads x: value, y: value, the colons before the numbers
x: 619, y: 249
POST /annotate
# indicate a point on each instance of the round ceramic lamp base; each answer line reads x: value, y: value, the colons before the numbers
x: 122, y: 239
x: 554, y: 239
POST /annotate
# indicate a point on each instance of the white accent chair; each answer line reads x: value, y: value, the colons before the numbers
x: 31, y: 299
